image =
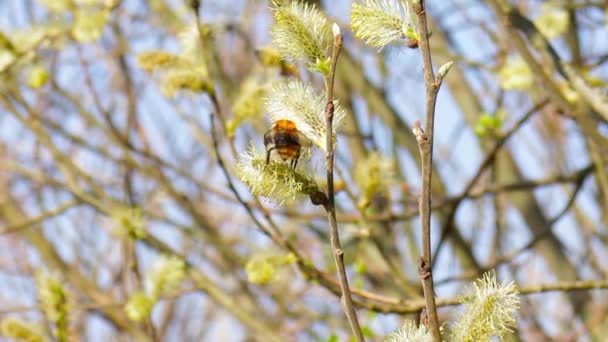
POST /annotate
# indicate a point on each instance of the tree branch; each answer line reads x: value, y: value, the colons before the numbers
x: 425, y: 145
x: 347, y: 301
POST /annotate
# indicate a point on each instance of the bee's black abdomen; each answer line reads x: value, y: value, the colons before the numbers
x: 286, y: 139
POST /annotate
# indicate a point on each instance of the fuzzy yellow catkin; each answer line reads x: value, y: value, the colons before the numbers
x: 301, y: 33
x: 515, y: 74
x: 276, y: 181
x: 89, y: 24
x: 552, y: 22
x: 382, y: 22
x: 488, y: 311
x: 248, y: 104
x: 139, y: 306
x: 262, y: 268
x: 19, y: 330
x: 157, y: 59
x: 129, y: 222
x: 374, y: 175
x: 165, y: 276
x: 54, y: 302
x: 185, y: 79
x: 410, y: 332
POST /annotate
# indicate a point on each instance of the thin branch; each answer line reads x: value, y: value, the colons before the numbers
x: 484, y: 165
x: 14, y: 227
x: 425, y: 145
x: 347, y: 301
x: 473, y: 194
x: 566, y: 286
x: 414, y: 306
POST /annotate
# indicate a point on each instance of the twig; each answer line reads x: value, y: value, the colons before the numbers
x: 425, y: 145
x: 543, y: 234
x: 566, y: 286
x: 473, y: 194
x: 347, y: 301
x: 401, y: 306
x: 487, y: 162
x: 29, y: 222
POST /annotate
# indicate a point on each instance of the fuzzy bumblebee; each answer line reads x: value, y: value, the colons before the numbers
x: 286, y: 140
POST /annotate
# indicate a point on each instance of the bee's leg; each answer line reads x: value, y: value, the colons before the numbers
x: 294, y: 162
x: 268, y: 154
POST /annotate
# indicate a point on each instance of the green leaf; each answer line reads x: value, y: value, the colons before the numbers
x: 322, y: 67
x: 333, y: 338
x: 360, y: 268
x: 367, y: 331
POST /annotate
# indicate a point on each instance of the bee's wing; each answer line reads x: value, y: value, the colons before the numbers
x: 268, y: 141
x: 304, y: 141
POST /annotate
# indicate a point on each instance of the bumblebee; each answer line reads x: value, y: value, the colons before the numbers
x: 286, y: 140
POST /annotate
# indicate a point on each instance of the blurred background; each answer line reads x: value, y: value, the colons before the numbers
x: 117, y: 222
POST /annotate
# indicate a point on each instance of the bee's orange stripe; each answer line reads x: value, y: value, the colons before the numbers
x: 288, y: 152
x: 285, y: 124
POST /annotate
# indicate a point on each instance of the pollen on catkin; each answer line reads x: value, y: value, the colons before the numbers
x: 187, y: 70
x: 488, y: 312
x: 374, y: 175
x: 515, y: 74
x: 165, y: 276
x: 89, y: 24
x: 185, y: 79
x: 139, y: 306
x: 410, y: 332
x: 262, y: 268
x: 249, y: 102
x: 54, y: 301
x: 302, y: 34
x: 382, y: 22
x: 275, y: 181
x: 157, y: 59
x: 20, y: 330
x: 553, y: 21
x: 129, y: 222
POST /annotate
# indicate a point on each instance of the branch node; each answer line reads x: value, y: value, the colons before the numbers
x: 418, y: 6
x: 419, y: 133
x: 424, y: 317
x: 424, y: 268
x: 329, y: 109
